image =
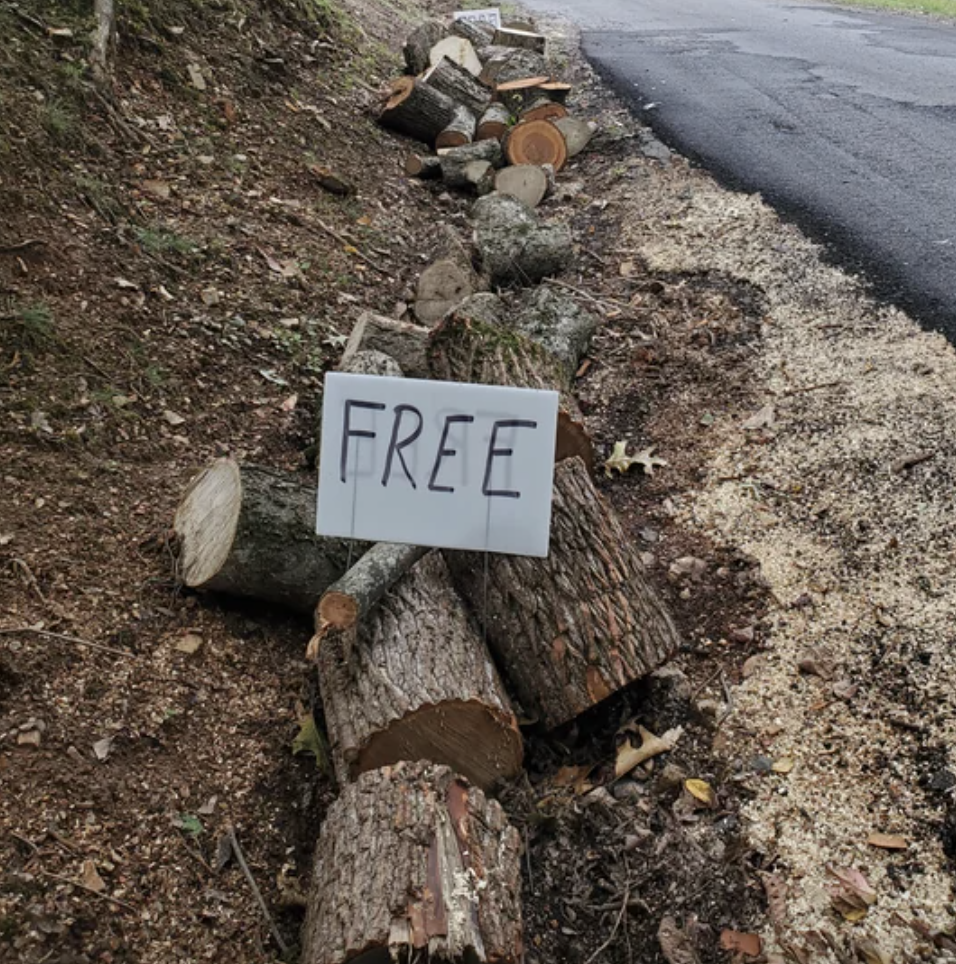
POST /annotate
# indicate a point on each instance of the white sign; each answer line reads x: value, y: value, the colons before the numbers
x: 490, y: 15
x: 437, y: 463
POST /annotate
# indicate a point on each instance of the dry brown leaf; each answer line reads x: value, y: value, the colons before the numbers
x: 749, y: 945
x: 189, y: 643
x: 677, y: 945
x: 851, y: 893
x: 888, y: 841
x: 784, y: 765
x: 621, y: 461
x: 871, y: 953
x: 629, y: 756
x: 776, y: 889
x: 91, y: 879
x: 701, y: 790
x: 575, y: 778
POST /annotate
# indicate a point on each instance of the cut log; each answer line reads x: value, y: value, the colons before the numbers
x: 536, y: 142
x: 475, y: 344
x: 368, y: 362
x: 249, y: 531
x: 556, y: 90
x: 572, y: 629
x: 514, y: 245
x: 404, y: 342
x: 577, y: 133
x: 504, y: 64
x: 419, y: 45
x: 411, y: 863
x: 460, y: 131
x: 493, y: 123
x: 524, y: 39
x: 459, y: 84
x: 480, y: 34
x: 526, y: 182
x: 414, y: 681
x: 458, y: 50
x: 555, y: 321
x: 417, y: 110
x: 442, y: 286
x: 476, y: 175
x: 490, y: 151
x: 425, y: 167
x: 543, y: 108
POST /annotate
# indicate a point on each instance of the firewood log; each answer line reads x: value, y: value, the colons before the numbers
x: 425, y: 167
x: 536, y: 142
x: 503, y: 64
x: 419, y: 44
x: 517, y: 94
x: 490, y: 151
x: 526, y: 182
x: 555, y: 321
x: 577, y: 133
x: 457, y: 49
x: 417, y: 110
x: 413, y: 679
x: 570, y: 630
x: 523, y: 39
x: 459, y: 84
x: 515, y: 246
x: 443, y: 285
x: 460, y: 130
x: 414, y: 862
x: 249, y: 531
x: 543, y: 108
x: 493, y: 123
x: 480, y: 34
x: 404, y: 342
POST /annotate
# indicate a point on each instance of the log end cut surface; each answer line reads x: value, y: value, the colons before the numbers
x: 537, y: 142
x: 206, y: 521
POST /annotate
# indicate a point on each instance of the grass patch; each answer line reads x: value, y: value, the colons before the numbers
x: 28, y: 328
x: 159, y: 241
x: 937, y: 8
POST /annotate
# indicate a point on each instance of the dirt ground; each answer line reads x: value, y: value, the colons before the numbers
x: 182, y: 297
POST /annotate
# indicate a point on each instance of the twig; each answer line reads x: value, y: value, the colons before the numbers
x: 31, y: 579
x: 617, y: 924
x: 89, y: 890
x: 23, y: 246
x: 319, y: 223
x: 237, y: 850
x: 46, y: 634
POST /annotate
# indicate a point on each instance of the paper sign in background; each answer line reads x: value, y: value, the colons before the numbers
x: 437, y: 463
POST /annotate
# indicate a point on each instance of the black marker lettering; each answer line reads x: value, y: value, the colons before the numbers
x: 493, y: 452
x: 395, y: 446
x: 442, y: 451
x: 358, y: 433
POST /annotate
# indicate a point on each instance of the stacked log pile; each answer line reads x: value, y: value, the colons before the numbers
x: 422, y: 655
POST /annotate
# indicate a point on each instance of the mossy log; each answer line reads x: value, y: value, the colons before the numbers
x: 570, y: 630
x: 412, y: 863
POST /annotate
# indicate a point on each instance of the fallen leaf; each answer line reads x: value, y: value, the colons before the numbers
x: 575, y: 778
x: 158, y: 189
x: 749, y: 945
x: 677, y: 945
x: 188, y: 823
x: 126, y: 285
x: 871, y: 953
x: 621, y: 461
x: 270, y: 376
x: 210, y: 297
x: 6, y: 538
x: 188, y: 644
x: 209, y: 807
x: 63, y: 32
x: 290, y: 403
x: 29, y: 738
x: 91, y: 879
x: 173, y: 418
x: 701, y: 790
x: 330, y: 181
x: 850, y: 893
x: 783, y: 765
x: 195, y: 77
x: 776, y: 889
x: 310, y: 740
x: 626, y: 269
x: 102, y: 748
x: 224, y: 852
x: 761, y: 419
x: 888, y: 841
x: 629, y: 756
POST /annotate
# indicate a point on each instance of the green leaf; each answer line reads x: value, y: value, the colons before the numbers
x: 189, y: 823
x: 309, y: 739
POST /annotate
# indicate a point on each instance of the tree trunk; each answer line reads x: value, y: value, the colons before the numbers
x: 514, y: 245
x: 493, y: 124
x: 465, y: 348
x: 414, y: 681
x: 417, y: 110
x: 536, y: 142
x: 460, y: 131
x: 248, y: 531
x: 413, y: 863
x: 402, y: 341
x: 572, y: 629
x: 459, y: 84
x: 523, y: 39
x: 105, y: 13
x: 419, y: 45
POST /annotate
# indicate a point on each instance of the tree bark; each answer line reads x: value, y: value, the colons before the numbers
x: 412, y: 862
x: 536, y: 142
x: 479, y: 34
x: 402, y: 341
x: 426, y: 167
x: 556, y: 322
x: 577, y: 133
x: 417, y: 110
x: 543, y: 108
x: 523, y: 39
x: 105, y: 13
x: 414, y: 681
x: 480, y: 151
x: 249, y: 531
x: 459, y: 84
x: 355, y: 594
x: 460, y: 131
x: 442, y: 286
x: 493, y: 124
x: 419, y: 44
x: 572, y: 629
x: 514, y: 245
x: 503, y: 64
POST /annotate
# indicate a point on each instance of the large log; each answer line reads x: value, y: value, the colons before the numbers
x: 459, y: 84
x: 503, y: 64
x: 526, y: 182
x: 459, y: 50
x: 417, y: 110
x: 480, y: 34
x: 574, y: 628
x: 424, y: 166
x: 460, y: 130
x: 419, y: 45
x: 557, y: 322
x: 413, y: 863
x: 402, y: 341
x: 475, y: 344
x: 543, y: 108
x: 515, y: 246
x: 414, y: 681
x: 480, y: 151
x: 523, y: 39
x: 577, y: 133
x: 537, y: 142
x: 442, y: 286
x: 493, y: 123
x: 249, y: 531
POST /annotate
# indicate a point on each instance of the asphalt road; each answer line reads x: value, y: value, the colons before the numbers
x: 845, y: 120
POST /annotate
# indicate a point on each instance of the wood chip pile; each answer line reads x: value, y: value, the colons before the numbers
x: 424, y: 655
